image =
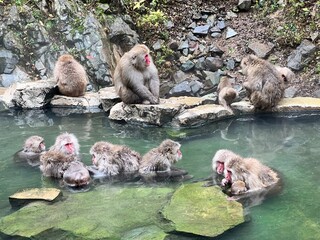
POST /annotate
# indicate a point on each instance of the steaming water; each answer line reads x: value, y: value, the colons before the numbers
x: 289, y: 144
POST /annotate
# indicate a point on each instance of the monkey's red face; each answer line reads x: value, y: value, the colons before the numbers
x: 219, y: 167
x: 94, y: 160
x: 228, y: 176
x: 147, y: 59
x: 42, y: 146
x: 69, y: 148
x: 179, y: 154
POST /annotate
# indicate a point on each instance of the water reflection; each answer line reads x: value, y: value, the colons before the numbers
x: 288, y: 144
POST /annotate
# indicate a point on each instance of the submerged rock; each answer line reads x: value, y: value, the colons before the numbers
x: 208, y: 212
x: 34, y: 194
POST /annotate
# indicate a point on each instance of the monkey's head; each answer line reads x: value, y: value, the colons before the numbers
x: 238, y: 187
x: 99, y: 152
x: 248, y: 61
x: 65, y: 58
x: 34, y: 144
x: 235, y: 170
x: 172, y: 150
x: 140, y: 56
x: 67, y: 143
x: 286, y: 74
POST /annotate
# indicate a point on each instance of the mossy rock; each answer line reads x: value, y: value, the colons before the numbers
x: 107, y: 212
x: 202, y: 210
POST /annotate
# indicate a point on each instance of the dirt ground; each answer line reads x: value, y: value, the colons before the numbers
x: 249, y: 26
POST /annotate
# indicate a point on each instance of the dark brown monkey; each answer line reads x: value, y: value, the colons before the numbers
x: 227, y: 93
x: 70, y: 76
x: 32, y: 148
x: 76, y: 175
x: 67, y: 143
x: 160, y: 159
x: 136, y: 77
x: 255, y: 175
x: 114, y: 159
x: 264, y: 85
x: 54, y: 163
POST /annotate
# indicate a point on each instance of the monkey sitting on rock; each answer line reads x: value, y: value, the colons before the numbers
x: 265, y: 83
x: 70, y: 76
x: 136, y: 77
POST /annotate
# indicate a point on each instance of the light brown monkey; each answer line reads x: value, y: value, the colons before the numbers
x: 160, y: 159
x: 286, y: 73
x: 70, y: 76
x: 136, y: 77
x: 264, y: 85
x: 114, y: 159
x: 67, y: 144
x: 32, y: 148
x: 54, y: 163
x: 238, y: 187
x: 255, y: 175
x: 76, y: 175
x: 220, y: 158
x: 227, y: 93
x: 57, y: 160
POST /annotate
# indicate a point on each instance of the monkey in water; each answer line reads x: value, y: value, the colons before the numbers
x: 160, y: 159
x: 136, y: 77
x: 76, y: 175
x: 114, y: 159
x: 227, y: 93
x: 57, y: 160
x: 32, y: 149
x: 67, y: 143
x: 254, y: 174
x: 70, y: 76
x: 264, y: 85
x: 220, y: 158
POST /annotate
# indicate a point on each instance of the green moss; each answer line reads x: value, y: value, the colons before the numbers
x: 202, y: 210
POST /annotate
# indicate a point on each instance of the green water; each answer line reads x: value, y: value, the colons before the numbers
x: 288, y: 144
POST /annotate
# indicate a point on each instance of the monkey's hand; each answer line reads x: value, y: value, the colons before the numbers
x: 224, y: 182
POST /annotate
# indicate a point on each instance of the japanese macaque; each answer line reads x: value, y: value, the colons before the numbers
x: 160, y: 159
x: 227, y: 93
x: 76, y: 175
x: 32, y: 148
x: 286, y: 74
x: 54, y: 163
x: 264, y: 85
x: 136, y: 77
x: 238, y: 187
x: 67, y: 143
x: 220, y: 158
x: 114, y: 159
x: 255, y: 175
x: 70, y: 76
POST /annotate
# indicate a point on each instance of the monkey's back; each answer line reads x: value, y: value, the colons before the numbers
x: 71, y: 78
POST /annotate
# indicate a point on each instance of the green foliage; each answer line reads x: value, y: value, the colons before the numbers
x: 163, y: 55
x: 295, y: 21
x: 147, y: 13
x: 153, y: 18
